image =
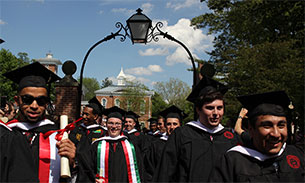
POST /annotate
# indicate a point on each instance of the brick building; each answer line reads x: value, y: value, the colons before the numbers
x: 113, y: 96
x: 50, y: 62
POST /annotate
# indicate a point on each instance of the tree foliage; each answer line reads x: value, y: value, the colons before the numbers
x: 90, y: 85
x: 8, y: 62
x: 132, y: 98
x: 158, y: 104
x: 175, y: 92
x: 106, y: 82
x: 258, y: 47
x: 24, y: 57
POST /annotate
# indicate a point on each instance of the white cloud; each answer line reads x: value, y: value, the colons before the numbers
x: 130, y: 77
x: 153, y: 83
x: 143, y: 80
x: 2, y: 22
x: 125, y: 11
x: 176, y: 5
x: 144, y: 71
x: 147, y: 8
x: 152, y: 52
x: 155, y: 68
x: 113, y: 79
x: 194, y: 39
x: 101, y: 12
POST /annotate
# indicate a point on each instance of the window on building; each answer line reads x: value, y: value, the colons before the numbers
x: 142, y: 107
x: 117, y: 102
x: 104, y: 102
x: 128, y: 105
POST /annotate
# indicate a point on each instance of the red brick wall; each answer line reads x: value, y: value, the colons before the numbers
x: 143, y: 117
x: 67, y: 101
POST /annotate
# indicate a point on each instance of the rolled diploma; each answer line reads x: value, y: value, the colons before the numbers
x: 64, y: 161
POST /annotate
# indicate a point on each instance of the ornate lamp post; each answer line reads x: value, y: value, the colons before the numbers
x: 141, y: 31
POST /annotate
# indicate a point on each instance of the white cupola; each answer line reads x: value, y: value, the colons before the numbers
x: 121, y: 78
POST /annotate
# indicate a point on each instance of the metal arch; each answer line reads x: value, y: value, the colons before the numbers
x: 123, y: 36
x: 156, y: 31
x: 153, y: 35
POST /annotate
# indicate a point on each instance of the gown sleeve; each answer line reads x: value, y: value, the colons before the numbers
x: 223, y: 171
x: 86, y: 158
x: 13, y: 151
x: 167, y: 169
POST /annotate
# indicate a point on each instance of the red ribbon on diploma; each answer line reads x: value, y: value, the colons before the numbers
x: 60, y: 132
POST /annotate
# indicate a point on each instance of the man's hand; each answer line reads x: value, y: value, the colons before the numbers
x: 243, y: 112
x: 67, y: 148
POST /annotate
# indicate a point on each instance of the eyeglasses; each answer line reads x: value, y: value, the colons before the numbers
x: 28, y: 100
x: 114, y: 124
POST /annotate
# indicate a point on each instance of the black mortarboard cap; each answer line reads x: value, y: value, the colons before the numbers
x: 173, y: 112
x: 205, y: 86
x: 115, y: 112
x: 32, y: 75
x: 131, y: 114
x: 96, y: 105
x: 273, y: 103
x: 152, y: 120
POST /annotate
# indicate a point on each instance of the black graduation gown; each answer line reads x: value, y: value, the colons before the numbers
x: 80, y: 133
x: 190, y: 153
x: 140, y: 140
x: 237, y: 167
x: 34, y: 146
x: 16, y: 161
x: 117, y: 163
x: 152, y: 158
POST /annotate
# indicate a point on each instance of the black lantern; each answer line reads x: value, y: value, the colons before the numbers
x: 139, y: 25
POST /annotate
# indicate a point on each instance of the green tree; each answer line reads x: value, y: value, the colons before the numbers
x: 175, y: 92
x: 158, y: 104
x: 237, y: 23
x: 132, y: 98
x: 24, y: 57
x: 90, y: 85
x: 266, y: 67
x: 8, y: 62
x: 106, y: 82
x: 258, y: 47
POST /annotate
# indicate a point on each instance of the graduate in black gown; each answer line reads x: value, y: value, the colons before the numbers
x: 16, y: 164
x: 192, y: 150
x: 173, y: 118
x: 89, y: 128
x: 135, y: 137
x: 32, y: 124
x: 153, y: 129
x: 161, y: 125
x: 112, y: 158
x: 268, y: 158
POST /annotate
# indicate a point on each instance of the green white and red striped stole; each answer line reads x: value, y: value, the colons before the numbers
x: 130, y: 157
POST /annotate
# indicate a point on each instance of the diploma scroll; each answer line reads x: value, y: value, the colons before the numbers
x: 64, y: 161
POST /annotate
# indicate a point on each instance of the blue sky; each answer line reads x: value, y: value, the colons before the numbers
x: 68, y: 28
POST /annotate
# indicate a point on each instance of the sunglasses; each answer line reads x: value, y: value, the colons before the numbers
x: 28, y: 100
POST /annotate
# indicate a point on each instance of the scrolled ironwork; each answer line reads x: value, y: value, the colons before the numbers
x: 120, y: 26
x: 153, y: 35
x: 123, y: 36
